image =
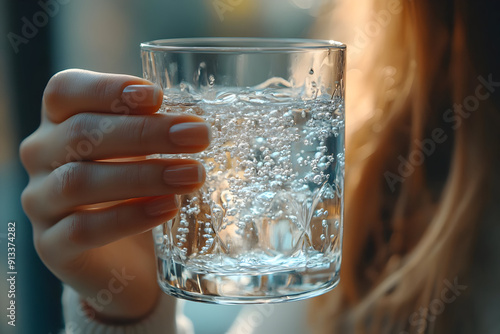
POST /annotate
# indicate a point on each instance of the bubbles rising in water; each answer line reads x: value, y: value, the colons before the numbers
x: 272, y: 159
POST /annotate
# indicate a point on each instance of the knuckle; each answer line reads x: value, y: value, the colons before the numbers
x: 77, y: 231
x: 55, y: 87
x: 28, y: 152
x: 70, y: 180
x: 102, y: 87
x: 141, y: 175
x: 28, y: 201
x: 41, y: 247
x: 142, y: 133
x: 45, y: 247
x: 76, y: 127
x: 134, y: 176
x: 86, y: 228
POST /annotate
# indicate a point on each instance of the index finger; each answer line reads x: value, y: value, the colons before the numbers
x: 74, y: 91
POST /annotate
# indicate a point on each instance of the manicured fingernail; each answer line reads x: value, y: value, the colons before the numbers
x: 190, y: 134
x: 141, y: 95
x: 162, y: 205
x: 183, y: 175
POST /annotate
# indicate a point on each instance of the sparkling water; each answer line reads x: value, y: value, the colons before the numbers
x: 268, y: 221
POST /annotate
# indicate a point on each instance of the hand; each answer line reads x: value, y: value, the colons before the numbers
x: 93, y: 196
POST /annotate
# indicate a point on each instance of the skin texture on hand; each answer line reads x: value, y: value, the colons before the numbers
x: 93, y: 197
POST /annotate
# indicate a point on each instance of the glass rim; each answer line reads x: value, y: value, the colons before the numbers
x: 240, y: 44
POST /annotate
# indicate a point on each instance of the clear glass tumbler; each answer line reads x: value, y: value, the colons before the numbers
x: 267, y: 224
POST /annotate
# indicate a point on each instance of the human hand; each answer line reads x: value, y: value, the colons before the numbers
x: 91, y: 213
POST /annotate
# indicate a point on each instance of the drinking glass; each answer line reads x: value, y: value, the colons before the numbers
x: 267, y: 224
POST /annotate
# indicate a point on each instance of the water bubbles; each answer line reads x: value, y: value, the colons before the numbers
x: 319, y: 213
x: 268, y: 159
x: 261, y: 203
x: 226, y: 196
x: 193, y: 211
x: 318, y: 179
x: 243, y: 146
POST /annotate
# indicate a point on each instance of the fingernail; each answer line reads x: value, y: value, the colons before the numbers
x: 190, y: 134
x: 183, y: 175
x: 141, y: 95
x: 162, y: 205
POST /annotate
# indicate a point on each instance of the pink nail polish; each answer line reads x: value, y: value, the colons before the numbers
x: 141, y: 95
x: 190, y: 134
x: 183, y: 175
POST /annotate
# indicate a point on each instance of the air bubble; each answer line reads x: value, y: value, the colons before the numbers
x: 267, y: 160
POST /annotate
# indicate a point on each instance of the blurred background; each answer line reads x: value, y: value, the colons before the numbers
x: 40, y: 38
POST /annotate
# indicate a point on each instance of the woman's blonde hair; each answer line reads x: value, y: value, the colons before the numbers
x: 417, y: 169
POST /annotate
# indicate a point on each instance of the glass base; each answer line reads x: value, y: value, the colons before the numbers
x: 179, y: 281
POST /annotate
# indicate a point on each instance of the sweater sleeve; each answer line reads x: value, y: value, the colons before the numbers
x: 286, y: 318
x: 79, y: 320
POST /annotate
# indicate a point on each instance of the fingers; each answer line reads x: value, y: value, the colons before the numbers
x: 88, y: 229
x: 74, y: 91
x: 83, y: 183
x: 98, y: 137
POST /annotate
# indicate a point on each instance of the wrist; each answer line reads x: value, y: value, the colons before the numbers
x: 161, y: 319
x: 117, y: 316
